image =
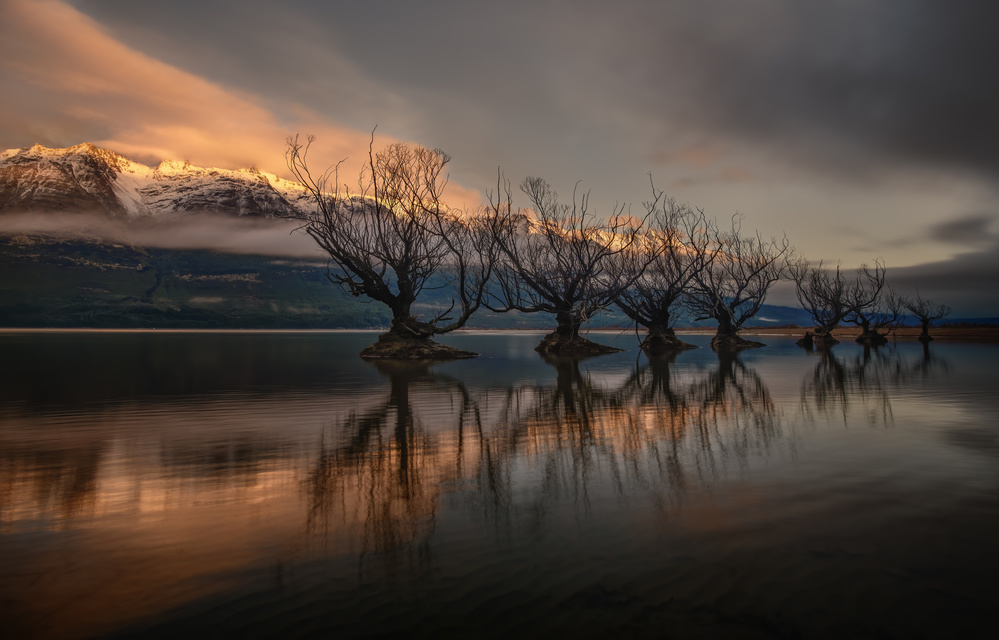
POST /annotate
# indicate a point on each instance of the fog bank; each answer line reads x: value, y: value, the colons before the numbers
x: 225, y: 234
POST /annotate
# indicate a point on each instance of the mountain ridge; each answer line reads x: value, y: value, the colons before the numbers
x: 85, y: 177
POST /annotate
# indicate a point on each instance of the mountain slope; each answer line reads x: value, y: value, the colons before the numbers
x: 87, y: 178
x: 51, y: 282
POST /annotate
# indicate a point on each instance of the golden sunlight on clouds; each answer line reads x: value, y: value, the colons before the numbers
x: 68, y: 81
x: 696, y: 157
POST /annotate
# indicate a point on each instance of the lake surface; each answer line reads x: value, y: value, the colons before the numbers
x: 276, y: 485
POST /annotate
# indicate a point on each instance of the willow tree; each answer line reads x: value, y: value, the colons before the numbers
x: 927, y: 312
x: 824, y: 294
x: 874, y: 306
x: 831, y: 296
x: 669, y: 255
x: 734, y: 284
x: 557, y: 258
x: 394, y: 238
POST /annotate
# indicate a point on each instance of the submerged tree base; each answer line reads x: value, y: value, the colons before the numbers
x: 663, y: 343
x: 392, y: 345
x: 730, y: 342
x: 817, y: 340
x: 872, y: 339
x: 571, y: 345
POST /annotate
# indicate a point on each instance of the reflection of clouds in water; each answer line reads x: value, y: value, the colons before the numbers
x: 981, y: 441
x: 655, y: 423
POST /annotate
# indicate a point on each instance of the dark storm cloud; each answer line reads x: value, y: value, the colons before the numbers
x: 968, y: 283
x: 849, y: 85
x: 969, y: 231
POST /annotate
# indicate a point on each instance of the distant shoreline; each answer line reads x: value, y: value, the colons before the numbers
x: 988, y: 334
x: 907, y: 334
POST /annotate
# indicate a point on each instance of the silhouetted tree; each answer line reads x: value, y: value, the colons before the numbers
x: 677, y: 239
x: 830, y: 296
x: 874, y: 307
x: 739, y: 271
x: 395, y: 238
x: 824, y: 294
x: 927, y: 312
x: 556, y: 258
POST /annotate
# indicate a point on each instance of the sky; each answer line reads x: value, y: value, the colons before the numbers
x: 859, y: 129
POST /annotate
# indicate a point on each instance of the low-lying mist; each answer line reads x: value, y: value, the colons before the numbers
x: 227, y: 234
x: 968, y: 282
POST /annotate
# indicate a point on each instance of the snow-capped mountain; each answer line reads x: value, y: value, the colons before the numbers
x: 87, y: 178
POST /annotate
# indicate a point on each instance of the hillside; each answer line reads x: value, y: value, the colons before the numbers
x: 85, y: 178
x: 54, y: 282
x: 78, y: 283
x: 57, y: 273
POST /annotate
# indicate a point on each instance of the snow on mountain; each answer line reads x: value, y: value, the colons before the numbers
x: 87, y: 178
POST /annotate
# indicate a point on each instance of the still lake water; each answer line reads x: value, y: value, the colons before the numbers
x: 261, y: 485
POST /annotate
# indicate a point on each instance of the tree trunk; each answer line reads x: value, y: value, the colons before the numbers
x: 821, y: 339
x: 565, y: 340
x: 725, y: 325
x: 925, y: 335
x: 408, y: 327
x: 568, y: 325
x: 727, y: 338
x: 662, y: 339
x: 870, y: 337
x: 409, y: 339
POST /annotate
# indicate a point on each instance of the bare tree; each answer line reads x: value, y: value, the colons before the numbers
x: 676, y: 239
x: 395, y: 238
x: 739, y: 271
x: 824, y: 294
x: 830, y: 296
x: 874, y: 307
x: 927, y: 312
x: 555, y: 258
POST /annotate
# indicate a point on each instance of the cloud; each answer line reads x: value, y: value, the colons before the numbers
x: 807, y: 115
x: 697, y: 157
x: 853, y: 86
x: 67, y: 81
x: 587, y: 90
x: 82, y: 85
x: 969, y: 283
x: 217, y: 233
x: 973, y: 230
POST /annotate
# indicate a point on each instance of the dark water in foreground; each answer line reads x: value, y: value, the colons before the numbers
x: 275, y: 485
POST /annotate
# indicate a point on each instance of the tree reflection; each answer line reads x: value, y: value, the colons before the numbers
x: 837, y: 384
x: 54, y: 484
x: 382, y: 469
x: 522, y: 451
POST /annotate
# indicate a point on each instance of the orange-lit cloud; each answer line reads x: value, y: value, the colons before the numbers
x: 68, y: 81
x: 736, y: 174
x: 698, y: 157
